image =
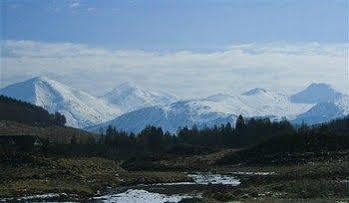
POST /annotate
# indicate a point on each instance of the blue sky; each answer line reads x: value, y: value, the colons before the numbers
x: 229, y: 44
x: 176, y: 24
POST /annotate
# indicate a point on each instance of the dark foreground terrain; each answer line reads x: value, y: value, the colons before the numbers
x: 81, y: 178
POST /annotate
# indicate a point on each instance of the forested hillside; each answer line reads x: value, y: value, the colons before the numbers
x: 16, y: 110
x: 326, y: 141
x: 22, y: 118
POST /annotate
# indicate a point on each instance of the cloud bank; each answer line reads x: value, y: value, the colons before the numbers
x: 187, y: 74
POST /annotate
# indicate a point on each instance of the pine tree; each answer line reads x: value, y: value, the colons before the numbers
x: 240, y: 125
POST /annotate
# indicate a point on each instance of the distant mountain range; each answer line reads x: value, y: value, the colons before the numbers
x: 317, y: 103
x: 81, y: 109
x: 131, y: 108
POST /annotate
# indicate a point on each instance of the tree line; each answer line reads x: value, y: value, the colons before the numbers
x: 245, y: 132
x: 318, y: 142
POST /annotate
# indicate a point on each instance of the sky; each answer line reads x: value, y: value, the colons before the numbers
x: 189, y: 48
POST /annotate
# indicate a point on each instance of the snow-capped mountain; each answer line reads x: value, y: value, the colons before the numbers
x: 128, y: 97
x: 316, y: 93
x: 256, y: 103
x: 325, y: 111
x: 131, y: 108
x: 330, y: 104
x: 321, y: 112
x: 214, y: 110
x: 170, y: 118
x: 79, y: 108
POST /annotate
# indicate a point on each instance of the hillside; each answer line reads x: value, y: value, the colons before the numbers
x: 55, y: 134
x: 21, y: 118
x: 322, y: 142
x: 15, y: 110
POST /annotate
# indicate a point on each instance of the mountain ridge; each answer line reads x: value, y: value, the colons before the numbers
x: 80, y: 108
x: 128, y: 105
x: 225, y: 107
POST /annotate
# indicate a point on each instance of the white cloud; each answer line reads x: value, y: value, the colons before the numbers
x: 74, y: 4
x: 91, y: 9
x: 273, y: 66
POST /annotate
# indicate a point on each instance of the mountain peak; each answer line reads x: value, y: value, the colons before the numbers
x: 316, y: 93
x: 127, y: 85
x: 254, y: 91
x: 319, y: 86
x: 128, y: 97
x: 124, y: 89
x: 39, y: 79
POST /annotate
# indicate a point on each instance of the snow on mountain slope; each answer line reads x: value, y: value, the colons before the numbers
x: 79, y: 108
x: 325, y: 111
x: 214, y: 110
x: 320, y: 113
x: 129, y: 97
x: 330, y: 104
x: 257, y: 102
x: 137, y: 108
x: 170, y: 118
x: 316, y: 93
x: 343, y: 104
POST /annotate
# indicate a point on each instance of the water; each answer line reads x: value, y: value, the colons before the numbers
x: 207, y: 179
x: 154, y: 193
x: 215, y: 179
x: 169, y: 192
x: 141, y: 196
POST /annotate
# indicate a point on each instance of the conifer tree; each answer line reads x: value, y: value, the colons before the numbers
x: 240, y: 125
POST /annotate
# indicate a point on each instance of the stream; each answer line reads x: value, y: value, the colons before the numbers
x: 169, y: 192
